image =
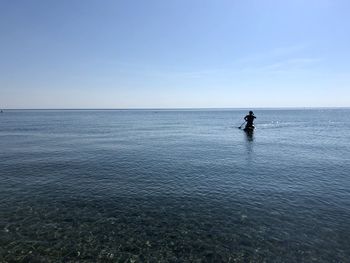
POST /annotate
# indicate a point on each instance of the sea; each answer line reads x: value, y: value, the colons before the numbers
x: 174, y: 186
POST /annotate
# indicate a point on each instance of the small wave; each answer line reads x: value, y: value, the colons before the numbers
x: 278, y: 124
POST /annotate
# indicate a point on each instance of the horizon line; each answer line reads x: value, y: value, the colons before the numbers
x: 183, y: 108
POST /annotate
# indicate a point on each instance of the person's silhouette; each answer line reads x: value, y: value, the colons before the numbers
x: 250, y: 121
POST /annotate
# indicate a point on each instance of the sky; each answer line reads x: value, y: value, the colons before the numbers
x: 174, y: 54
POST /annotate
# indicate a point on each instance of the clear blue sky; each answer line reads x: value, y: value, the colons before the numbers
x: 180, y: 53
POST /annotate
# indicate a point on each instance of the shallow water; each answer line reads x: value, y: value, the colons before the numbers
x: 167, y: 185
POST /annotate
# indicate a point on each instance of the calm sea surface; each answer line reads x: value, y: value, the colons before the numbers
x: 174, y: 186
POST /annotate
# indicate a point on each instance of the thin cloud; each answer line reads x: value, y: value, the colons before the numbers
x: 294, y: 63
x: 248, y: 65
x: 273, y: 53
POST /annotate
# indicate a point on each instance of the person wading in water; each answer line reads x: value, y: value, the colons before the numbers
x: 250, y: 121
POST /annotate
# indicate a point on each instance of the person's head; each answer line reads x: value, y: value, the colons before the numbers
x: 251, y: 113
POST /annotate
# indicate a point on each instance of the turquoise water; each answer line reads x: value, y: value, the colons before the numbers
x: 174, y: 186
